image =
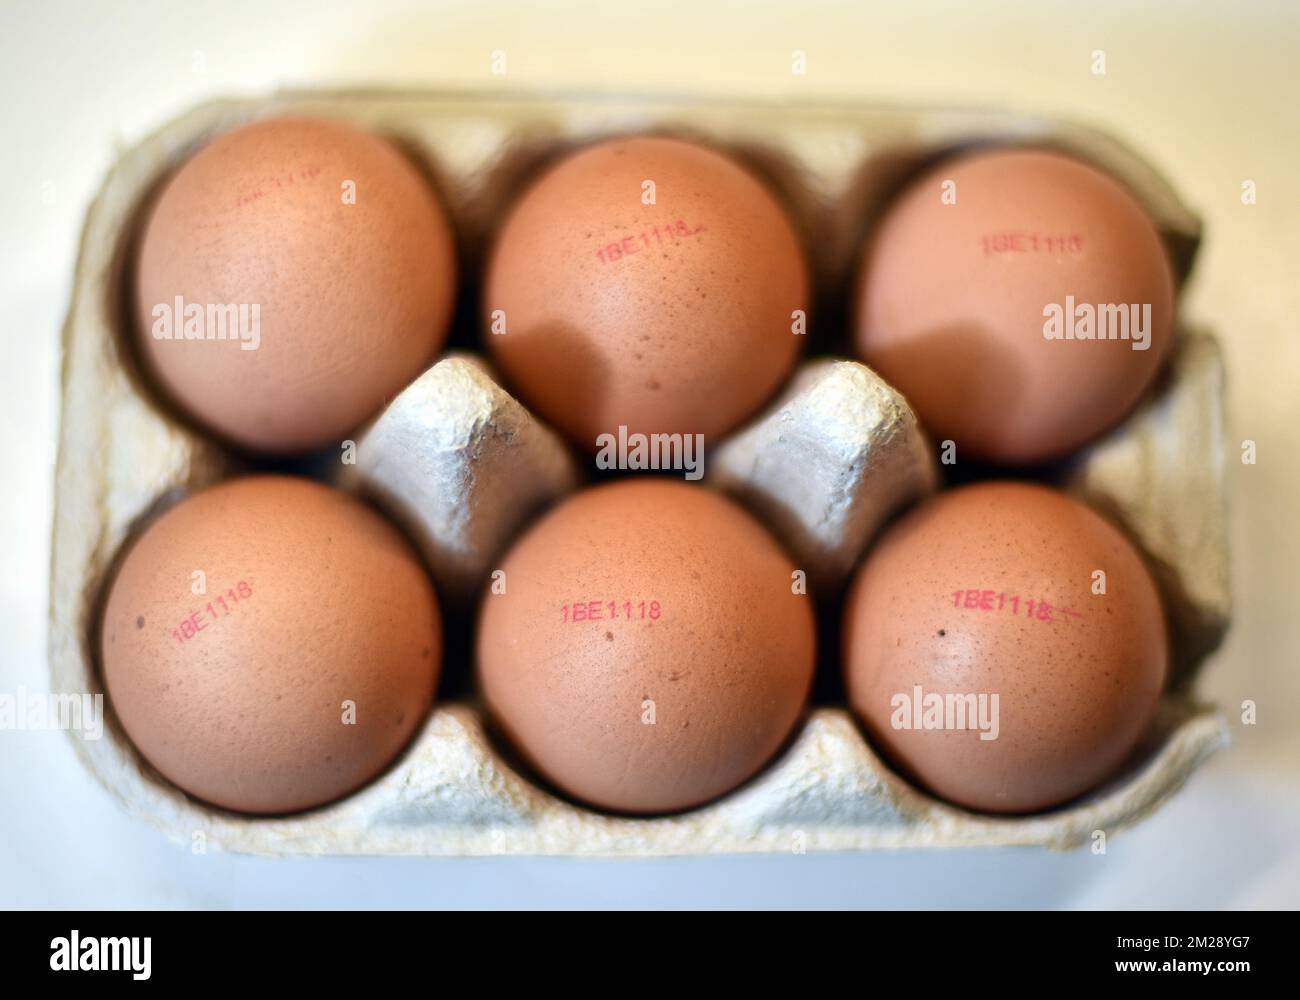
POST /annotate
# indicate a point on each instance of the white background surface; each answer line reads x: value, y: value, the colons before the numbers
x: 1209, y: 91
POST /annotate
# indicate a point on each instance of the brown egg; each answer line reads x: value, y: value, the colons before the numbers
x: 982, y: 662
x: 301, y: 669
x: 648, y: 652
x: 674, y: 316
x: 955, y: 301
x: 323, y: 257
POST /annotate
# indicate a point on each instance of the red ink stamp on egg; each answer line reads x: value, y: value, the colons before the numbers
x: 631, y: 244
x: 219, y: 607
x: 1052, y: 244
x: 1036, y: 609
x: 597, y: 610
x: 277, y: 182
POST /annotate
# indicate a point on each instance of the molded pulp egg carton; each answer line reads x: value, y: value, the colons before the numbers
x: 461, y: 465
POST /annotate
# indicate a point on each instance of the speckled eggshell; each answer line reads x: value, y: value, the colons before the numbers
x: 240, y: 695
x: 343, y: 246
x: 951, y: 299
x: 656, y: 706
x: 672, y: 317
x: 943, y: 602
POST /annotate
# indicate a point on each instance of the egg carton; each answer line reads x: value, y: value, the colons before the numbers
x: 462, y: 466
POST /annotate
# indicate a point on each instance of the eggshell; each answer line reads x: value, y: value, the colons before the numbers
x: 648, y: 652
x: 675, y: 316
x: 341, y: 244
x: 303, y: 666
x: 952, y: 295
x: 989, y: 590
